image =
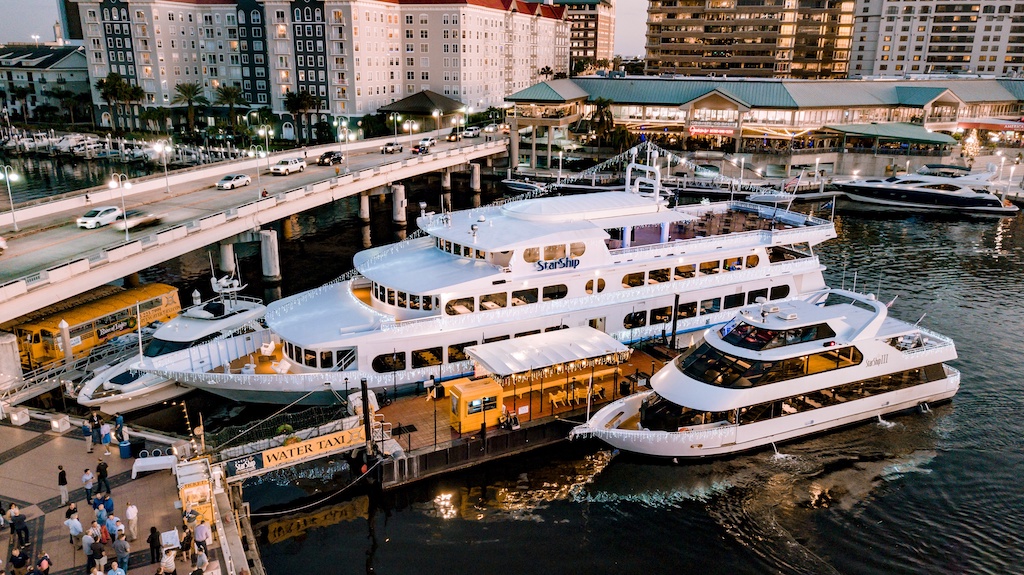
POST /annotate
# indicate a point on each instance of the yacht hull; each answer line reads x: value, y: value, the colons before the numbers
x: 911, y: 199
x: 145, y: 397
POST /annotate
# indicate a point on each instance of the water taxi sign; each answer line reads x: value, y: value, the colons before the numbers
x: 295, y: 452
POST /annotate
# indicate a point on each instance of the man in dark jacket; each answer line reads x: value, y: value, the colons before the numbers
x: 18, y: 562
x: 101, y: 477
x: 20, y: 528
x: 62, y: 482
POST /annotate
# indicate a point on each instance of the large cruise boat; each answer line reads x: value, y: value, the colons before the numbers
x: 621, y: 262
x: 781, y: 371
x: 967, y: 194
x: 123, y: 387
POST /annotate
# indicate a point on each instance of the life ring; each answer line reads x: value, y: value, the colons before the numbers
x: 131, y: 322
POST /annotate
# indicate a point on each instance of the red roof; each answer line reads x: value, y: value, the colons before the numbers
x: 534, y: 8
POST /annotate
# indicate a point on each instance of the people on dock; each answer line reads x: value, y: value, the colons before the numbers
x: 167, y: 564
x: 87, y: 482
x: 18, y: 562
x: 115, y: 569
x: 154, y: 545
x: 62, y: 483
x: 186, y: 543
x: 203, y: 535
x: 101, y: 476
x: 71, y: 510
x: 105, y: 437
x: 87, y: 541
x: 18, y: 525
x: 75, y: 530
x: 87, y: 433
x: 122, y: 550
x: 131, y: 515
x: 43, y: 564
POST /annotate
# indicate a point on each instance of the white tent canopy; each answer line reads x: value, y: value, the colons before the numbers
x: 568, y: 349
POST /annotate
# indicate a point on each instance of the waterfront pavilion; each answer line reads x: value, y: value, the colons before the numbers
x: 755, y: 115
x: 423, y: 105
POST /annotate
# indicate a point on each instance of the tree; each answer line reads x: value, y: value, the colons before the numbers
x: 66, y: 98
x: 21, y: 93
x: 602, y: 63
x: 112, y: 90
x: 155, y: 118
x: 601, y: 119
x: 132, y: 93
x: 297, y: 103
x: 580, y: 65
x: 561, y: 75
x: 190, y: 94
x: 231, y: 96
x: 546, y: 71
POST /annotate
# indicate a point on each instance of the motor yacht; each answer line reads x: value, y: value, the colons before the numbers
x: 124, y: 387
x: 777, y: 372
x: 621, y: 262
x: 966, y: 194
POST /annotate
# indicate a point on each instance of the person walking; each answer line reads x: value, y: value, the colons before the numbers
x: 108, y: 503
x: 101, y: 476
x: 118, y: 431
x: 43, y: 564
x: 62, y: 482
x: 201, y: 561
x: 122, y: 550
x: 20, y: 527
x: 18, y: 562
x: 203, y: 535
x: 168, y: 564
x: 94, y: 424
x: 154, y: 545
x: 105, y: 437
x: 87, y: 479
x: 74, y: 528
x: 71, y: 510
x: 87, y: 434
x: 131, y: 515
x: 114, y: 569
x: 87, y: 541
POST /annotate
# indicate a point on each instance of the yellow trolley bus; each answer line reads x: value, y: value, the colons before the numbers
x: 94, y: 323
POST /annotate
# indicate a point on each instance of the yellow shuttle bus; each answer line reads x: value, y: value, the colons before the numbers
x: 94, y: 323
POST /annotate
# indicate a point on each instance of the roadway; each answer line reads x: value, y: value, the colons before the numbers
x: 54, y: 239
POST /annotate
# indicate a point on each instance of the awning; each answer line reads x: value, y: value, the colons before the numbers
x: 991, y: 124
x: 544, y: 354
x: 899, y: 131
x: 643, y: 220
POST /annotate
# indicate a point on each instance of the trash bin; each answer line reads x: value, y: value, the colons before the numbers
x: 126, y: 449
x: 138, y: 445
x: 624, y: 387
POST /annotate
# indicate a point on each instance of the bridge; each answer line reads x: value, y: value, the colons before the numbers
x: 55, y: 260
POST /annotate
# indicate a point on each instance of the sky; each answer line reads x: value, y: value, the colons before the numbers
x: 37, y: 17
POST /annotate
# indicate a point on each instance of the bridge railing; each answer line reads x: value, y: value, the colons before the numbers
x: 114, y: 252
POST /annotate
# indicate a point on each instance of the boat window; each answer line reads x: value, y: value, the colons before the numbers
x: 467, y: 252
x: 402, y: 299
x: 414, y: 302
x: 635, y: 319
x: 600, y: 286
x: 710, y: 306
x: 326, y: 359
x: 380, y: 292
x: 779, y: 292
x: 460, y: 306
x: 429, y: 302
x: 494, y: 300
x: 749, y: 336
x: 657, y: 413
x: 531, y: 255
x: 659, y: 276
x: 556, y: 328
x: 481, y: 255
x: 708, y: 268
x: 426, y: 357
x: 501, y: 258
x: 496, y: 338
x: 734, y: 264
x: 942, y: 187
x: 752, y: 261
x: 754, y: 294
x: 457, y: 352
x: 577, y: 249
x: 661, y: 315
x: 684, y: 272
x: 346, y: 357
x: 633, y: 280
x: 526, y: 333
x: 391, y: 296
x: 717, y: 368
x: 389, y: 362
x: 309, y: 358
x: 734, y: 300
x: 162, y: 347
x: 554, y: 252
x: 524, y: 296
x: 557, y: 291
x: 685, y: 310
x: 456, y: 248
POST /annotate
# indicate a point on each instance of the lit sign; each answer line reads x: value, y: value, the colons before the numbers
x: 558, y: 264
x: 709, y: 130
x: 295, y: 452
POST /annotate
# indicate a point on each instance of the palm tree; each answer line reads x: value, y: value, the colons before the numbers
x: 133, y: 93
x: 298, y: 102
x: 67, y: 101
x: 231, y: 96
x: 21, y: 93
x: 547, y: 72
x: 155, y: 118
x: 601, y: 119
x: 190, y: 94
x: 112, y: 90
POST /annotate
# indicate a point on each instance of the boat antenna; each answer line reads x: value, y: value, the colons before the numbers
x: 916, y: 323
x: 854, y: 282
x: 843, y: 285
x: 138, y: 326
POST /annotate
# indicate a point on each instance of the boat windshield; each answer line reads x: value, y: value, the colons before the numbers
x: 163, y: 347
x: 749, y: 336
x: 660, y: 414
x: 127, y: 377
x: 720, y: 369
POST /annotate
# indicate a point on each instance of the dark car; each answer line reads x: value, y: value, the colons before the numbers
x: 420, y: 149
x: 454, y: 136
x: 330, y: 158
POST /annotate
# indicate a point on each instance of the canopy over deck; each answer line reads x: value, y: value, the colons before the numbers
x: 544, y: 354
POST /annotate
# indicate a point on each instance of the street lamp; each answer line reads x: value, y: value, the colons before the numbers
x: 437, y: 122
x: 395, y: 119
x: 162, y: 147
x: 559, y: 166
x: 411, y: 127
x: 35, y: 37
x: 120, y: 182
x: 257, y: 151
x: 9, y: 175
x: 267, y: 132
x: 343, y: 127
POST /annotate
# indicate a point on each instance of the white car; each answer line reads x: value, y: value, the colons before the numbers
x: 427, y: 142
x: 491, y: 128
x: 99, y: 217
x: 135, y: 219
x: 232, y: 181
x: 471, y: 132
x: 3, y: 245
x: 287, y: 166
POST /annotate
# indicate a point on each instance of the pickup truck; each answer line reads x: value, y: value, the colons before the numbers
x: 287, y: 166
x: 391, y: 148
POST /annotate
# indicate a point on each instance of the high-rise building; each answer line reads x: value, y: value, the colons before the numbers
x: 591, y: 31
x: 764, y: 38
x: 352, y: 56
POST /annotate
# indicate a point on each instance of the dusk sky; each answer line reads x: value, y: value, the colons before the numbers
x: 37, y: 17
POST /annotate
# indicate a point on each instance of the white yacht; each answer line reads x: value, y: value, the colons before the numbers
x: 965, y: 194
x: 781, y: 371
x: 124, y: 387
x: 621, y: 262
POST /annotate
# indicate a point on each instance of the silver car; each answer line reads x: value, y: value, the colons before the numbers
x: 232, y: 181
x: 98, y: 217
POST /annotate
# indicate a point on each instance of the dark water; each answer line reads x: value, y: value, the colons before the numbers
x: 925, y: 493
x: 40, y: 176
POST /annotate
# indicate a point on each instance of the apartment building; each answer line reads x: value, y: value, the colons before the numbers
x: 591, y: 29
x: 353, y: 56
x: 36, y: 72
x: 897, y: 38
x: 760, y: 38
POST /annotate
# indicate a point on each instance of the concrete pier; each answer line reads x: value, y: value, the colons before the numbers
x: 270, y: 256
x: 227, y: 257
x: 364, y: 207
x: 398, y: 203
x: 474, y: 177
x: 446, y: 180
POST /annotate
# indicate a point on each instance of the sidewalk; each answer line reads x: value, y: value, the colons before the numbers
x: 29, y: 456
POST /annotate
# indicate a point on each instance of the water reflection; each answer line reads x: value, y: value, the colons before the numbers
x: 44, y: 176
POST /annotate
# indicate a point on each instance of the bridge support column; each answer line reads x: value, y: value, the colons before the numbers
x: 132, y: 280
x: 270, y: 256
x: 474, y: 177
x: 398, y: 203
x: 364, y: 207
x: 367, y: 241
x: 227, y: 257
x: 446, y: 180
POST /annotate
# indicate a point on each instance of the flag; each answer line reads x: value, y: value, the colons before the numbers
x: 792, y: 182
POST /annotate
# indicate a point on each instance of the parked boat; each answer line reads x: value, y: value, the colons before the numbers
x: 124, y: 387
x: 964, y: 194
x: 777, y: 372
